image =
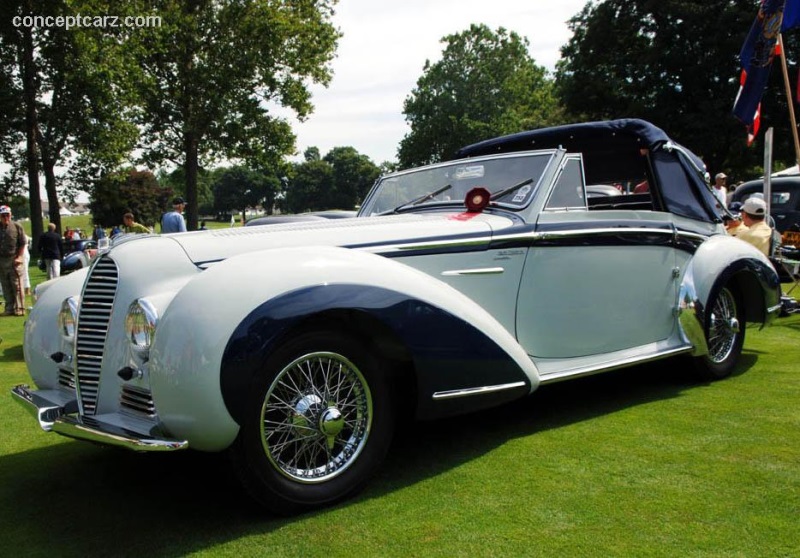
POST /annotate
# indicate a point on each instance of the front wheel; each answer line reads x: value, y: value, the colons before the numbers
x: 725, y: 330
x: 318, y: 424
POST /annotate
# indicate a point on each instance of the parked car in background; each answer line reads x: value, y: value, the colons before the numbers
x: 785, y: 202
x: 300, y: 347
x: 78, y: 254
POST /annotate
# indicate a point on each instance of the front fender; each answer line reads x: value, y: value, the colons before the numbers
x: 720, y: 261
x: 221, y: 326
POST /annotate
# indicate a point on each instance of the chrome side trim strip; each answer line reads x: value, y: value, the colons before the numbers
x: 532, y: 236
x: 478, y: 271
x: 469, y: 392
x: 607, y: 367
x: 602, y: 231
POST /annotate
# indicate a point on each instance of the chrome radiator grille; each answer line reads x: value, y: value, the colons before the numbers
x: 66, y: 379
x: 137, y: 401
x: 93, y: 318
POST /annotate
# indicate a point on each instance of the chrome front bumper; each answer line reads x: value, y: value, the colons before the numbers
x: 56, y: 413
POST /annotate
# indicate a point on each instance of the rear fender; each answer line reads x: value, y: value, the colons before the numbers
x: 721, y: 261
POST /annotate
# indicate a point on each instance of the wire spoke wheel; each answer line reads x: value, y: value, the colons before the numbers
x: 316, y: 417
x: 724, y: 328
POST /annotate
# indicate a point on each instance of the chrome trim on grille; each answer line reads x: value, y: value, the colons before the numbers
x: 137, y: 401
x: 66, y: 379
x: 94, y: 316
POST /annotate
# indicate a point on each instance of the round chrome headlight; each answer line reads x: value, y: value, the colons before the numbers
x: 68, y: 317
x: 140, y: 323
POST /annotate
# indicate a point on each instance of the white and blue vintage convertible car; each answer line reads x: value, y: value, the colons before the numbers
x: 459, y: 286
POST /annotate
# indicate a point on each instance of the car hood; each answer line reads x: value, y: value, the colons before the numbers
x: 362, y: 232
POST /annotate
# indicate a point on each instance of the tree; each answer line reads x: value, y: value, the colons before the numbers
x: 675, y: 63
x: 117, y: 193
x: 176, y: 182
x: 213, y: 67
x: 238, y: 188
x: 485, y: 85
x: 71, y: 98
x: 340, y: 180
x: 353, y: 175
x: 312, y: 154
x: 306, y: 187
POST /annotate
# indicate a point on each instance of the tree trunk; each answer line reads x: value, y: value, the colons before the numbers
x: 54, y: 209
x: 191, y: 167
x: 31, y: 125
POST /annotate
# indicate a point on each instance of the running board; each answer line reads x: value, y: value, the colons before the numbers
x: 558, y: 372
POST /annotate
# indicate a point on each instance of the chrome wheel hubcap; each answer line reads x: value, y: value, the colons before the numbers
x: 723, y: 327
x: 316, y: 417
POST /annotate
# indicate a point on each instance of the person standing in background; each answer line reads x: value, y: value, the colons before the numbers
x: 131, y: 226
x: 719, y: 189
x: 13, y: 243
x: 173, y: 222
x: 24, y: 271
x: 52, y: 249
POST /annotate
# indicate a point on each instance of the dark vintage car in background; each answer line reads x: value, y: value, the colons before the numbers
x: 78, y: 254
x: 785, y: 202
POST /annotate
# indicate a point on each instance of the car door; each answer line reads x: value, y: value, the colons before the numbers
x: 595, y: 282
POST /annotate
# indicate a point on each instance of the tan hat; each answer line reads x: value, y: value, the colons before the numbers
x: 755, y: 207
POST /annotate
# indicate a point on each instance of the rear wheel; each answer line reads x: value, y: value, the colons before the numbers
x: 725, y: 330
x: 318, y: 424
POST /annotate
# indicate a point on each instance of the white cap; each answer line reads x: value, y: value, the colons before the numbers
x: 720, y: 175
x: 755, y: 207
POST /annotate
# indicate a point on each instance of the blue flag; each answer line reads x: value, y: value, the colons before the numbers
x: 791, y: 14
x: 757, y: 54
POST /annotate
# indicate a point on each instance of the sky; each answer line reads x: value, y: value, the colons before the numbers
x: 383, y: 51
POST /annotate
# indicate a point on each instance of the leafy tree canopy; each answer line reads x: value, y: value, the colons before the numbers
x: 211, y: 70
x: 339, y: 180
x: 63, y: 91
x: 674, y: 63
x: 353, y: 176
x: 238, y: 188
x: 485, y: 85
x: 116, y: 193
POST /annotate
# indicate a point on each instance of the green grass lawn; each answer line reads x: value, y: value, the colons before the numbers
x: 640, y: 462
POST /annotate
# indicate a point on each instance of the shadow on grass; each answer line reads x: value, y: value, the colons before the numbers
x: 11, y: 353
x: 75, y: 499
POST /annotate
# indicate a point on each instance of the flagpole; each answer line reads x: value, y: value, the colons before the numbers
x: 789, y: 100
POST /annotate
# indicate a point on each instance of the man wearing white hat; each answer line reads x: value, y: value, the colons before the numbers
x: 720, y: 191
x: 758, y: 233
x: 13, y: 243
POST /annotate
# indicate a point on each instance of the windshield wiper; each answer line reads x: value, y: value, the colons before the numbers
x: 418, y: 200
x: 501, y: 193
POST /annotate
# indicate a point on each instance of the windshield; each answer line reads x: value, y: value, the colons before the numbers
x: 448, y: 183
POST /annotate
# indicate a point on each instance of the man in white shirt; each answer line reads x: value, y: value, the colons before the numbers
x: 720, y: 191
